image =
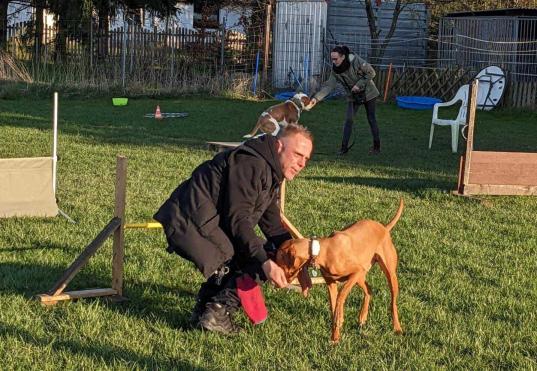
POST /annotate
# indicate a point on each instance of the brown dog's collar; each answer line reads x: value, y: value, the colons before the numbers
x: 315, y: 249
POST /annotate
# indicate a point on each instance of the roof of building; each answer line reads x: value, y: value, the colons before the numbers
x: 512, y: 12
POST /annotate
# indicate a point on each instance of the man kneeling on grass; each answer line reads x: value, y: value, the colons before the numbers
x: 210, y: 219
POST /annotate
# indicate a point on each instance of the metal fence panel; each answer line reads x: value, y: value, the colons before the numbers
x: 509, y: 42
x: 299, y: 32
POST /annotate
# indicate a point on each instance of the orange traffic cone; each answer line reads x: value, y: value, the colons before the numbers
x: 158, y: 115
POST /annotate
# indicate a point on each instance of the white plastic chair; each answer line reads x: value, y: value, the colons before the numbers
x: 460, y: 120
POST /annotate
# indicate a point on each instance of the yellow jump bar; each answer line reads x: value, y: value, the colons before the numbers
x: 148, y: 225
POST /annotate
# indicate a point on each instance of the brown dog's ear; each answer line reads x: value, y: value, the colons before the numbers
x: 305, y: 280
x: 289, y: 257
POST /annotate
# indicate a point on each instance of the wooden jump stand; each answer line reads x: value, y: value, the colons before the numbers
x: 494, y: 173
x: 114, y: 227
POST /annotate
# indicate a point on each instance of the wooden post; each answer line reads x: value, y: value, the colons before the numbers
x: 290, y: 227
x: 119, y: 234
x: 460, y: 185
x: 470, y: 114
x: 115, y: 226
x: 470, y: 121
x: 267, y: 45
x: 282, y: 197
x: 388, y: 81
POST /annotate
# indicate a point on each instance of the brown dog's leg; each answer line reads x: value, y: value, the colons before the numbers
x: 340, y: 306
x: 367, y: 298
x: 332, y: 295
x: 389, y: 266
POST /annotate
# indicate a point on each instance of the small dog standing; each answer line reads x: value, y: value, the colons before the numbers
x: 346, y: 256
x: 281, y: 114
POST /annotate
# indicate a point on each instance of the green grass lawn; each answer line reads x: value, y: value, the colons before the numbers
x: 467, y: 265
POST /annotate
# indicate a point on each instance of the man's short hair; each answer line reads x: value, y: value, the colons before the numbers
x: 292, y: 129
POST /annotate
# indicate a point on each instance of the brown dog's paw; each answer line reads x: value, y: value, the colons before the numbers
x: 334, y: 339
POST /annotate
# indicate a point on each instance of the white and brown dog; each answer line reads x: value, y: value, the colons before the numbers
x: 280, y: 115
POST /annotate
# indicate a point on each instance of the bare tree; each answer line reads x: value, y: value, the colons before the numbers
x: 378, y: 46
x: 38, y: 28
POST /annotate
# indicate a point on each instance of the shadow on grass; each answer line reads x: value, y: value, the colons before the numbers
x: 36, y: 246
x: 109, y: 353
x: 418, y: 187
x: 170, y: 304
x: 30, y: 279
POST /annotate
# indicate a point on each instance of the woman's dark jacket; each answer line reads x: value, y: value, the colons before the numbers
x: 359, y: 74
x: 211, y: 217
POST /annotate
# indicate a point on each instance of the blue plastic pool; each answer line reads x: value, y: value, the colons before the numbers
x: 419, y: 103
x: 285, y: 95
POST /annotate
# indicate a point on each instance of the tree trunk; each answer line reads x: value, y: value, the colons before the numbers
x: 60, y: 49
x: 103, y: 31
x: 377, y: 48
x: 3, y: 23
x: 39, y: 28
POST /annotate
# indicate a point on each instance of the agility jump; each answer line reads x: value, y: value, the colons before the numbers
x: 494, y: 173
x: 28, y: 185
x: 114, y: 227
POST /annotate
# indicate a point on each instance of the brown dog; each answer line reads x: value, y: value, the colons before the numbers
x: 281, y: 114
x: 346, y: 256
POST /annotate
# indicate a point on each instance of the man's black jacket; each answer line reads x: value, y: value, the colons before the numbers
x: 211, y: 217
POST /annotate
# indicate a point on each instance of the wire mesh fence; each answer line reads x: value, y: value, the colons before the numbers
x: 135, y: 57
x: 179, y: 60
x: 475, y: 43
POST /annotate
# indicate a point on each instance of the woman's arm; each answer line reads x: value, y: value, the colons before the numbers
x: 326, y: 88
x: 365, y: 72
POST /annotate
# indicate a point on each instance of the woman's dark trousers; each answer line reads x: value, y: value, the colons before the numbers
x: 352, y: 107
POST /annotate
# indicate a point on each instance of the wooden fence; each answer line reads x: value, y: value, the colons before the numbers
x: 521, y: 94
x: 216, y: 46
x: 443, y: 83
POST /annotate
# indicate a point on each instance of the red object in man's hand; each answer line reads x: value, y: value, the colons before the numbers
x: 252, y: 300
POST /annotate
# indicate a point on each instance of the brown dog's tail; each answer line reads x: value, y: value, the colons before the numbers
x: 391, y: 224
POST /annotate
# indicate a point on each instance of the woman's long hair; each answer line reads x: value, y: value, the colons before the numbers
x: 344, y: 66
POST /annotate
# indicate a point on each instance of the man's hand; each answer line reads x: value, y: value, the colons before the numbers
x: 356, y: 89
x: 274, y: 273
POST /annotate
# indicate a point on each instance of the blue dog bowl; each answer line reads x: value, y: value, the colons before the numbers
x: 419, y: 103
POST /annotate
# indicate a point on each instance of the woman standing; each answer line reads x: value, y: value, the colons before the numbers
x: 356, y: 76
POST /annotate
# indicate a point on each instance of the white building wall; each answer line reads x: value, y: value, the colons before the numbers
x: 17, y: 13
x: 231, y: 16
x: 183, y: 18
